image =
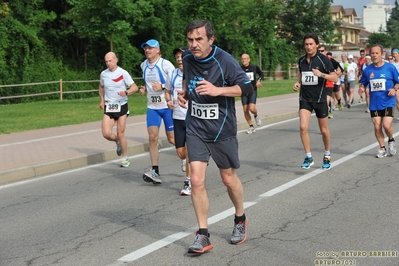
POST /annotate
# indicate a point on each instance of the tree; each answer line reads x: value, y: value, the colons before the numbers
x: 303, y: 16
x: 382, y: 39
x: 393, y: 25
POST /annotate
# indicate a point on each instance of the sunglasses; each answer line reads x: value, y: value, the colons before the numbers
x: 321, y: 51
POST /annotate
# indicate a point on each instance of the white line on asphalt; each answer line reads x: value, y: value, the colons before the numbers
x: 60, y: 136
x: 220, y: 216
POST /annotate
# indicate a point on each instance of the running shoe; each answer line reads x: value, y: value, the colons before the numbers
x: 152, y: 176
x: 326, y: 162
x: 391, y: 148
x: 381, y: 153
x: 251, y: 130
x: 352, y: 101
x: 125, y: 162
x: 186, y: 191
x: 349, y: 105
x: 201, y: 244
x: 118, y: 148
x: 240, y: 233
x: 346, y: 104
x: 330, y: 115
x: 258, y: 121
x: 307, y: 163
x: 340, y: 107
x: 183, y: 165
x: 361, y: 99
x: 367, y: 110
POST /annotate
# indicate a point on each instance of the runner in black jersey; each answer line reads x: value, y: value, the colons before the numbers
x: 314, y: 69
x: 211, y: 80
x: 249, y: 102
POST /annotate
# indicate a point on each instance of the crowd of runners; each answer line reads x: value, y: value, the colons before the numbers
x: 196, y: 102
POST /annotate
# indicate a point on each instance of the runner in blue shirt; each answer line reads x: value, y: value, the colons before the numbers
x: 383, y: 79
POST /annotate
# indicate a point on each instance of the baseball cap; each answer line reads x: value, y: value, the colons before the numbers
x: 367, y: 56
x: 151, y: 43
x: 182, y: 49
x: 350, y: 56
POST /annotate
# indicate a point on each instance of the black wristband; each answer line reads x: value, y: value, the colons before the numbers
x: 246, y: 89
x: 126, y: 93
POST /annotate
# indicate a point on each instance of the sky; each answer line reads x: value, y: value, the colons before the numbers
x: 358, y: 4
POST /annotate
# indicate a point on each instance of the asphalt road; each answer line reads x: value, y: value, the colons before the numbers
x: 107, y: 215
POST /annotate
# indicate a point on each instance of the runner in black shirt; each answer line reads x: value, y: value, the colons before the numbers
x: 314, y: 69
x: 249, y: 102
x: 211, y: 80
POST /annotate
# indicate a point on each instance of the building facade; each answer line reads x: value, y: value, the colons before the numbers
x: 376, y: 15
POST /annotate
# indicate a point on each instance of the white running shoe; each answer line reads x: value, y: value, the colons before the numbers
x: 258, y: 121
x: 391, y: 148
x: 186, y: 191
x: 381, y: 153
x: 152, y: 176
x: 183, y: 165
x: 251, y: 130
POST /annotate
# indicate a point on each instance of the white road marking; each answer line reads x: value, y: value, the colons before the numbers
x: 60, y: 136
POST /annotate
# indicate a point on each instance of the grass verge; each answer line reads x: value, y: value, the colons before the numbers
x: 39, y: 115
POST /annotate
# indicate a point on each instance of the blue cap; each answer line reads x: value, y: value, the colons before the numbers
x: 151, y: 43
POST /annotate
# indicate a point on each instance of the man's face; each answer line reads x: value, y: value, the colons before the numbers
x: 151, y: 52
x: 310, y: 46
x: 376, y: 55
x: 343, y: 57
x: 323, y: 51
x: 111, y: 61
x: 179, y: 60
x: 199, y: 43
x: 362, y: 54
x: 395, y: 55
x: 245, y: 60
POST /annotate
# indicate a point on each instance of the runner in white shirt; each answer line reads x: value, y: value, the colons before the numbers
x: 155, y: 73
x: 115, y: 85
x: 395, y: 55
x: 350, y: 74
x: 173, y: 85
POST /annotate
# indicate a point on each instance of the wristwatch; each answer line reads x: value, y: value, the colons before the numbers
x: 126, y: 93
x: 323, y: 75
x: 163, y: 86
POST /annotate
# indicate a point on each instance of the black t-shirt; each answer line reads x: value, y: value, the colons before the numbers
x: 312, y: 87
x: 212, y: 118
x: 251, y: 71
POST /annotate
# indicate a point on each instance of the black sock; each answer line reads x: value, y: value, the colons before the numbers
x: 203, y: 231
x: 251, y: 125
x: 156, y: 169
x: 238, y: 219
x: 382, y: 147
x: 339, y: 101
x: 391, y: 140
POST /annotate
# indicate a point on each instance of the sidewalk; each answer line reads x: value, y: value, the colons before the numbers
x: 39, y: 152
